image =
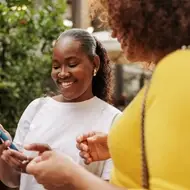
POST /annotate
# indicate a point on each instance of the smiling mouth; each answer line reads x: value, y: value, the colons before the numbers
x: 66, y: 84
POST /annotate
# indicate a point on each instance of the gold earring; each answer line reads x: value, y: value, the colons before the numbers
x: 95, y: 71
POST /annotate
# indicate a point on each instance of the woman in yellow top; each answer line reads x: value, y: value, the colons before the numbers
x: 149, y: 31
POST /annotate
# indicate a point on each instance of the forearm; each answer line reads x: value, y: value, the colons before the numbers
x: 84, y: 180
x: 8, y: 175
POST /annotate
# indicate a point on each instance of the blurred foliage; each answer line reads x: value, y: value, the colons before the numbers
x: 27, y: 31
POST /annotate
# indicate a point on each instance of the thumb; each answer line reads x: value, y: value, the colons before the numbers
x: 46, y: 155
x: 31, y: 167
x: 37, y: 159
x: 95, y: 139
x: 7, y: 143
x: 2, y: 128
x: 38, y: 147
x: 6, y: 132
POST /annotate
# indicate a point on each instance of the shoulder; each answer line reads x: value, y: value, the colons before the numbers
x: 172, y: 74
x: 108, y: 107
x: 36, y: 103
x: 170, y: 82
x: 174, y: 66
x: 30, y: 112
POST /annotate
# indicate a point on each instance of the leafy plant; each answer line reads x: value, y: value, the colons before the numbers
x: 27, y: 31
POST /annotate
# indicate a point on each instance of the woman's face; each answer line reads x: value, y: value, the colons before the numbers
x: 72, y: 70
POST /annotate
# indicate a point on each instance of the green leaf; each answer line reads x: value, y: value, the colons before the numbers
x: 24, y: 65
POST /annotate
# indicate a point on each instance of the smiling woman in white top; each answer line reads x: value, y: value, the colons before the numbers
x: 81, y: 70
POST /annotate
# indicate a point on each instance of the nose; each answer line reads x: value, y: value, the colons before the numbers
x: 64, y: 73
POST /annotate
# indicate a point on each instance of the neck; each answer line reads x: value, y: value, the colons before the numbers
x: 85, y: 96
x: 82, y: 98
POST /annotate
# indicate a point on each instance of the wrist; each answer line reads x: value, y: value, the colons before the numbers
x: 77, y: 177
x: 82, y: 179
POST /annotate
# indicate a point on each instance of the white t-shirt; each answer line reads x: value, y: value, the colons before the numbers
x: 58, y: 124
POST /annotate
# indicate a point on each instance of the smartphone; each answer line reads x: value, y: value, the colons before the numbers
x: 4, y: 137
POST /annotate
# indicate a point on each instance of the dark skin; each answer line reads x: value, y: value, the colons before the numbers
x: 11, y: 163
x: 72, y: 71
x: 93, y: 147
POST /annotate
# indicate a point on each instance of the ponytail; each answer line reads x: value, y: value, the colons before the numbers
x: 102, y: 82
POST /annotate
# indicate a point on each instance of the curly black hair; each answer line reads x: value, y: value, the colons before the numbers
x: 157, y: 26
x: 102, y: 83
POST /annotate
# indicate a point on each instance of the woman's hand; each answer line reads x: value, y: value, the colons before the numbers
x: 93, y: 147
x: 38, y: 147
x: 57, y: 171
x: 4, y: 145
x: 18, y: 160
x: 14, y: 159
x: 53, y: 169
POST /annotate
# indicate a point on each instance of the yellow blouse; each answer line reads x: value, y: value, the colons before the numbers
x: 167, y: 130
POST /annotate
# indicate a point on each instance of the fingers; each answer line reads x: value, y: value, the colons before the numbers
x: 86, y: 156
x: 29, y: 159
x: 2, y: 128
x: 7, y: 144
x: 46, y: 155
x: 37, y: 159
x: 39, y: 163
x: 12, y: 162
x: 88, y: 161
x: 84, y: 137
x: 4, y: 146
x: 98, y: 138
x: 38, y: 147
x: 31, y: 167
x: 82, y: 143
x: 15, y: 154
x: 14, y: 159
x: 82, y: 146
x: 7, y: 154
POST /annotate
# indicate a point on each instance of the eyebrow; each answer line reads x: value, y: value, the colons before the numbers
x: 71, y: 57
x: 55, y: 60
x: 66, y: 59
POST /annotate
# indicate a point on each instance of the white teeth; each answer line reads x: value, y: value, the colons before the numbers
x: 66, y: 84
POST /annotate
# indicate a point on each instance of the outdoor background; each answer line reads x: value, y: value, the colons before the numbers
x: 28, y: 29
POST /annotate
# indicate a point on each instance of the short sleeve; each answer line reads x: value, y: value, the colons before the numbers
x: 106, y: 174
x: 24, y: 123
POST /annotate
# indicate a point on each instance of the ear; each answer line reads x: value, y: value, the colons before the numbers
x: 96, y: 63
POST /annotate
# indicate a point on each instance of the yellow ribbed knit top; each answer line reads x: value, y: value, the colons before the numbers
x: 167, y: 130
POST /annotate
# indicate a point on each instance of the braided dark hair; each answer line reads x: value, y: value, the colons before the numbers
x: 102, y: 82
